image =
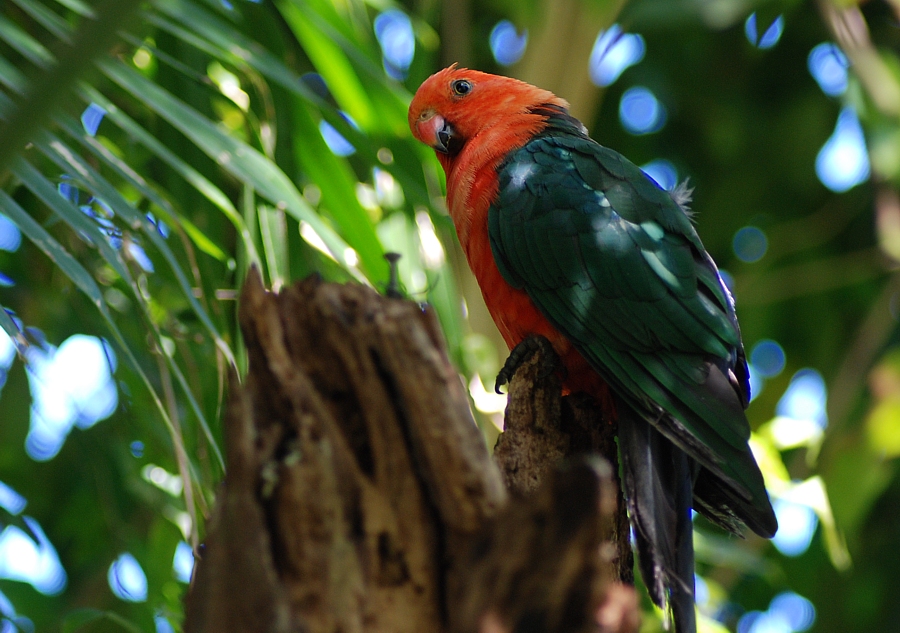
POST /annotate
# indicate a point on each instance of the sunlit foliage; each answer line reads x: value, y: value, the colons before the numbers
x: 150, y: 153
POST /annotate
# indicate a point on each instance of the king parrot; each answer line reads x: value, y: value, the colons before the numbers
x: 572, y: 242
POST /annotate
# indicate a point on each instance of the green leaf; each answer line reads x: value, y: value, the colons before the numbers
x: 78, y: 7
x: 72, y: 215
x: 221, y: 40
x: 241, y: 160
x: 24, y: 44
x: 15, y: 334
x: 134, y: 179
x: 338, y: 184
x: 332, y: 64
x: 203, y: 185
x: 46, y: 18
x: 52, y: 249
x: 11, y: 77
x: 273, y: 230
x: 93, y: 38
x: 84, y: 174
x: 77, y: 619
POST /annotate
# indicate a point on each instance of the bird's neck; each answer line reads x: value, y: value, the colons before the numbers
x: 472, y: 174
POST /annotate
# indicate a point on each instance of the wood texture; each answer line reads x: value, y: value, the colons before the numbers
x: 360, y: 495
x: 542, y: 429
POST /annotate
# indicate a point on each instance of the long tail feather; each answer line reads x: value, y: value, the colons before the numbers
x: 658, y: 480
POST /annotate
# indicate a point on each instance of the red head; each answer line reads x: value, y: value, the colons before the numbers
x: 457, y: 108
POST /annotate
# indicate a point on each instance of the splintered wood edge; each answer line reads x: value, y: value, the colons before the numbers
x: 464, y: 481
x: 235, y: 585
x: 544, y: 558
x: 449, y: 457
x: 543, y: 428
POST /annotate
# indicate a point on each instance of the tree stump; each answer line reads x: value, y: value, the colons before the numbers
x: 360, y: 495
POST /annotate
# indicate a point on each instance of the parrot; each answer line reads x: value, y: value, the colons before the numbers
x: 578, y: 251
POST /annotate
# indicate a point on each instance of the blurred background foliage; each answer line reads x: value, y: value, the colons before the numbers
x: 150, y: 152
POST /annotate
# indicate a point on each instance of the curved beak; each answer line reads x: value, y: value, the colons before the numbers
x: 439, y: 134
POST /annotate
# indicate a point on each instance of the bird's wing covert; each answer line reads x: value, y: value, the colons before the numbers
x: 615, y: 264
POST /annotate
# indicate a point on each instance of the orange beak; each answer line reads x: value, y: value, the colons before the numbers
x: 436, y: 132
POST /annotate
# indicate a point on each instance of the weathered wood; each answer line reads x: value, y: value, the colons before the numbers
x: 542, y: 565
x: 360, y: 495
x: 542, y: 429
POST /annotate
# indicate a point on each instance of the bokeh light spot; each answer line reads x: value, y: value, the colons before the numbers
x: 10, y: 235
x: 127, y: 579
x: 31, y: 559
x: 828, y: 66
x: 771, y: 35
x: 757, y: 382
x: 843, y: 162
x: 398, y: 44
x: 799, y: 612
x: 641, y: 112
x: 70, y: 386
x: 701, y: 590
x: 68, y: 191
x: 764, y: 622
x: 805, y: 398
x: 750, y: 244
x: 338, y: 145
x: 787, y: 613
x: 614, y: 52
x: 162, y: 623
x: 10, y: 500
x: 183, y: 562
x: 91, y: 118
x: 7, y: 350
x: 161, y: 227
x: 747, y: 621
x: 507, y: 44
x: 162, y: 479
x: 796, y: 525
x: 767, y: 357
x: 137, y: 448
x: 316, y: 83
x: 139, y: 256
x: 662, y: 172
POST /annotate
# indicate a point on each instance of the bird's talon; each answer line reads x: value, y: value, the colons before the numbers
x: 521, y: 353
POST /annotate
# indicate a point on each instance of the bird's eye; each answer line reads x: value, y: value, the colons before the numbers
x: 461, y: 87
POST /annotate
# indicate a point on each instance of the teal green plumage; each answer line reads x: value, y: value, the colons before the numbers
x: 614, y: 262
x: 577, y: 251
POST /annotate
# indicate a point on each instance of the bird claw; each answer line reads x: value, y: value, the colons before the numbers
x: 523, y: 352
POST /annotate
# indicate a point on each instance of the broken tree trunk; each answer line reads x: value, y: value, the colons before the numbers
x: 360, y: 495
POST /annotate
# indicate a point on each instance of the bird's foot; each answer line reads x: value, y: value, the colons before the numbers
x: 521, y: 353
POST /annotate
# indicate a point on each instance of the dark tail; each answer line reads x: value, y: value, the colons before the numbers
x: 658, y: 480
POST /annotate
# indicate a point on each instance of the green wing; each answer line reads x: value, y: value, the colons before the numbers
x: 613, y: 261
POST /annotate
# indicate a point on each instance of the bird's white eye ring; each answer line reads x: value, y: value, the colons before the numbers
x: 461, y: 87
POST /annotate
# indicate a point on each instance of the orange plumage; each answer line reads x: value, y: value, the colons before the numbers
x: 492, y: 130
x: 571, y: 241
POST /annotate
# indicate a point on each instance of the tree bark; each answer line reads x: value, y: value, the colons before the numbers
x: 360, y: 495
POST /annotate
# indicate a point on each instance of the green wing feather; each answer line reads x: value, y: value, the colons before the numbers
x: 614, y: 262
